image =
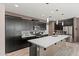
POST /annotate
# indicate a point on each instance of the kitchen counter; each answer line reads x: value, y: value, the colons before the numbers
x: 47, y: 41
x: 34, y: 36
x: 44, y: 42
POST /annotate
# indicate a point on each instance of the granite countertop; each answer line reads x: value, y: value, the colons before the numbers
x: 48, y: 40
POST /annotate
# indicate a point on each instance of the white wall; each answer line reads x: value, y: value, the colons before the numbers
x: 2, y: 29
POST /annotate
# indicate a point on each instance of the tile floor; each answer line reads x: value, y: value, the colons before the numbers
x: 66, y: 49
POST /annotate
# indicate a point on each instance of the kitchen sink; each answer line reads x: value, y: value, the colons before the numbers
x: 54, y: 35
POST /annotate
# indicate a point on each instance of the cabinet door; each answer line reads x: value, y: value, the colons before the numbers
x: 70, y: 30
x: 10, y: 33
x: 76, y: 29
x: 9, y: 26
x: 65, y: 28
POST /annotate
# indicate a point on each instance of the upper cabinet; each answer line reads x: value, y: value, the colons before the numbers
x: 68, y: 22
x: 42, y: 25
x: 58, y: 26
x: 37, y: 23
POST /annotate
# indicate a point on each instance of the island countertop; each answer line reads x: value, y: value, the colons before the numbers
x: 47, y: 41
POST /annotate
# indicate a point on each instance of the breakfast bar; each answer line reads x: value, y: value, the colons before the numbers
x: 45, y: 42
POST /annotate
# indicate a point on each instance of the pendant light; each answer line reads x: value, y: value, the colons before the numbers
x: 62, y: 23
x: 62, y: 18
x: 47, y: 20
x: 57, y: 22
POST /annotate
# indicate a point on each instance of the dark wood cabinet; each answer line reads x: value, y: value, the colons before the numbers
x: 68, y: 22
x: 58, y: 26
x: 14, y: 26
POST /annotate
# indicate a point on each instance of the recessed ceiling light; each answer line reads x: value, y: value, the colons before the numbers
x: 57, y: 10
x: 50, y: 16
x: 46, y: 3
x: 16, y: 5
x: 62, y: 14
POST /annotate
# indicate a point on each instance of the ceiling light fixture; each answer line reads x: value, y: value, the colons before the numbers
x: 62, y: 23
x: 62, y: 14
x: 46, y: 3
x: 57, y: 10
x: 47, y: 20
x: 16, y: 5
x: 57, y: 22
x: 50, y: 16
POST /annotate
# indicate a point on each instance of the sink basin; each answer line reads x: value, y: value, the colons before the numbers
x: 54, y: 35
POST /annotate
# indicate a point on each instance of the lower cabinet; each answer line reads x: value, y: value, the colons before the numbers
x: 52, y: 50
x: 15, y: 44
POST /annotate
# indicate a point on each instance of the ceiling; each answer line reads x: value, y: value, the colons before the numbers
x: 44, y: 10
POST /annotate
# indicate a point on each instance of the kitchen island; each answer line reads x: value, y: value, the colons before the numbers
x: 45, y: 42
